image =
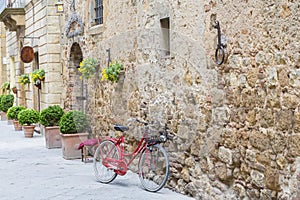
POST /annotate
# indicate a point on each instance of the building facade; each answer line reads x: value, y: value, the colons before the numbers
x: 236, y: 124
x: 3, y: 61
x: 34, y: 24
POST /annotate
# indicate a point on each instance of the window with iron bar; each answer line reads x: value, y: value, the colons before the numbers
x: 99, y: 11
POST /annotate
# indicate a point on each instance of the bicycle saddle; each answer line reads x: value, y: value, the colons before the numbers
x: 121, y: 128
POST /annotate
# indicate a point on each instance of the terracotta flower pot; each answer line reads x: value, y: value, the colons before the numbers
x: 10, y: 122
x: 28, y: 131
x: 15, y: 90
x: 17, y: 126
x: 3, y: 116
x: 52, y: 137
x: 70, y: 143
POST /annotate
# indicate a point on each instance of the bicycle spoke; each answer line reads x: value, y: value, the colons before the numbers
x: 154, y: 168
x: 106, y: 150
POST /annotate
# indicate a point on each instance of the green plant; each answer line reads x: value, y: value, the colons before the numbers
x: 51, y: 115
x: 28, y: 116
x: 73, y: 122
x: 1, y: 96
x: 112, y: 72
x: 87, y: 68
x: 5, y: 86
x: 7, y: 101
x: 12, y: 112
x: 38, y: 74
x: 24, y: 79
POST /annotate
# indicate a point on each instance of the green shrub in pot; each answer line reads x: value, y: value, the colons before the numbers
x: 7, y: 101
x: 51, y: 115
x: 28, y: 117
x: 73, y: 122
x: 1, y: 96
x: 12, y: 112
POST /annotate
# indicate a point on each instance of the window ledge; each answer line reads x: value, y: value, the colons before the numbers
x: 168, y: 57
x: 96, y: 29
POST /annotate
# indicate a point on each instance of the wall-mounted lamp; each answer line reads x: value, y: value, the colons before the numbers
x: 59, y: 7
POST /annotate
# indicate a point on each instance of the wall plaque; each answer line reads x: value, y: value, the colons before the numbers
x: 27, y: 54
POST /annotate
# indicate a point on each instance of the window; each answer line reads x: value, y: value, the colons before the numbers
x: 165, y: 31
x: 99, y: 11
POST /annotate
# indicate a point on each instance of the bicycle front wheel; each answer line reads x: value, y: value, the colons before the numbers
x: 106, y: 149
x: 154, y: 168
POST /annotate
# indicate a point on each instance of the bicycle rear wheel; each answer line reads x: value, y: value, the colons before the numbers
x: 154, y: 168
x: 106, y: 149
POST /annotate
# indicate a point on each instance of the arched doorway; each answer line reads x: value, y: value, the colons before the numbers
x: 79, y: 93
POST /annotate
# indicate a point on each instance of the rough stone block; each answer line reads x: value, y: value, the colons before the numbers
x: 278, y: 141
x: 252, y: 76
x: 258, y: 179
x: 294, y: 145
x: 221, y: 171
x: 272, y: 179
x: 266, y: 118
x: 284, y: 120
x: 259, y: 140
x: 225, y: 155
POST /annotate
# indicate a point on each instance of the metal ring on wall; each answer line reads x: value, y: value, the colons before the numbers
x: 220, y: 53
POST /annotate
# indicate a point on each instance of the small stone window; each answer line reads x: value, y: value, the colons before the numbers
x: 98, y: 12
x: 165, y: 33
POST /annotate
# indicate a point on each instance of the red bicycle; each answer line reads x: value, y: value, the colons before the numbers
x: 153, y: 167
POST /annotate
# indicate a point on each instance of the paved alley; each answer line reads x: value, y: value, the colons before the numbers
x: 29, y: 170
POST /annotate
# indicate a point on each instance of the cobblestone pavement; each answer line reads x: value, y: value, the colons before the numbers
x: 29, y: 170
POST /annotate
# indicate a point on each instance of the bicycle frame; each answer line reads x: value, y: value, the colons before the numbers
x: 153, y: 165
x: 121, y: 162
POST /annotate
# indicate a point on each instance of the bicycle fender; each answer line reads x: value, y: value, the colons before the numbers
x: 114, y: 140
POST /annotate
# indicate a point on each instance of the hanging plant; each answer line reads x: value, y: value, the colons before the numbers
x: 38, y: 74
x: 24, y: 79
x: 5, y: 86
x: 14, y: 89
x: 87, y: 68
x: 112, y: 72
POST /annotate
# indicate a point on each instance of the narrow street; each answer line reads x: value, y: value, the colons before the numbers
x: 29, y: 170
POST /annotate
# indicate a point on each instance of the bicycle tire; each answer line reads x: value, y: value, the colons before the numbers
x: 154, y: 168
x: 103, y: 174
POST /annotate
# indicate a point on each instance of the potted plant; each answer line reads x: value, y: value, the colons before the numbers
x: 3, y: 114
x: 37, y: 76
x: 12, y: 113
x: 7, y: 101
x: 73, y: 127
x: 87, y: 68
x: 5, y: 87
x: 24, y: 79
x: 112, y: 72
x: 49, y: 118
x: 28, y: 118
x: 14, y: 89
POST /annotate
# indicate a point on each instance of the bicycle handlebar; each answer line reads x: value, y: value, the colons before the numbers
x: 164, y: 135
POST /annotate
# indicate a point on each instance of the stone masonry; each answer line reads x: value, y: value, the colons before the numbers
x: 236, y: 125
x: 40, y: 30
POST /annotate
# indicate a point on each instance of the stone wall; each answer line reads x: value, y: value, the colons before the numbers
x: 3, y: 61
x: 258, y: 149
x: 43, y: 34
x: 14, y: 63
x: 236, y: 125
